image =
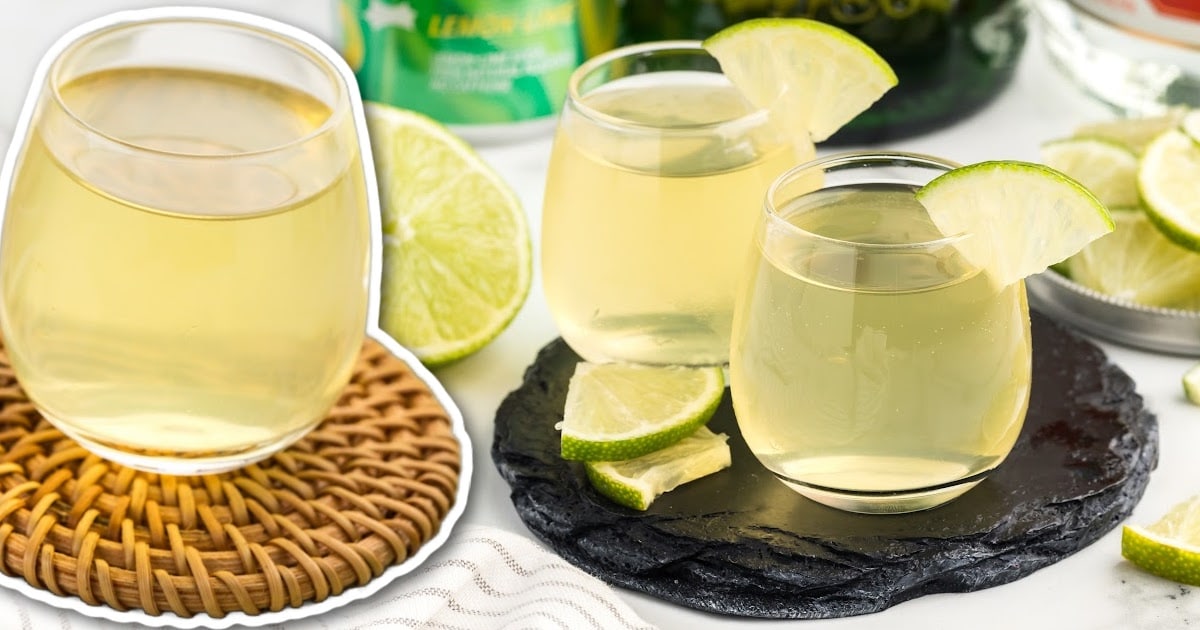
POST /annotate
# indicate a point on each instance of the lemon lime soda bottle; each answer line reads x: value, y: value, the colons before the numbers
x: 490, y: 69
x: 951, y: 56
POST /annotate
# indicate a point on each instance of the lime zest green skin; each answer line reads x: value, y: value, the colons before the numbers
x: 1178, y: 564
x: 616, y: 492
x: 576, y: 449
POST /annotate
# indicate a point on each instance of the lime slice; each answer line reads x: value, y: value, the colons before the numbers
x: 1190, y: 124
x: 1137, y: 263
x: 1167, y: 178
x: 635, y: 483
x: 814, y: 77
x: 1107, y: 168
x: 1169, y: 548
x: 456, y: 246
x: 1191, y: 384
x: 617, y: 411
x: 1020, y: 217
x: 1134, y: 133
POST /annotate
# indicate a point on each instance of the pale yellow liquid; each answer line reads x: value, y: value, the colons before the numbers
x: 644, y: 234
x: 170, y: 341
x: 876, y: 373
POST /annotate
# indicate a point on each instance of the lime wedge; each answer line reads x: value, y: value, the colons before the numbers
x: 617, y: 411
x: 1137, y: 263
x: 1134, y: 133
x: 635, y: 483
x: 1020, y: 217
x: 1191, y: 384
x: 1169, y: 548
x: 1166, y: 179
x: 812, y: 76
x: 456, y: 246
x: 1105, y: 167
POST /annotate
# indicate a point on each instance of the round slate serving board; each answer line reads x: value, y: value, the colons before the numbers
x: 741, y: 543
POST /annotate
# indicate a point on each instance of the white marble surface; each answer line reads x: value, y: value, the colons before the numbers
x: 1092, y: 590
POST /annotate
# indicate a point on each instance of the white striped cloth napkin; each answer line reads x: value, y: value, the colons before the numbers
x: 483, y: 578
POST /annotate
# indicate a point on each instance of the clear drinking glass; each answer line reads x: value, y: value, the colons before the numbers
x: 185, y: 255
x: 651, y: 197
x: 873, y: 368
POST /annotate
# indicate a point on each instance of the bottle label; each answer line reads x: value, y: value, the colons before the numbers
x: 1174, y: 20
x: 464, y: 62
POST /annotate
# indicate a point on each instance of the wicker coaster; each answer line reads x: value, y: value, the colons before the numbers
x: 361, y: 492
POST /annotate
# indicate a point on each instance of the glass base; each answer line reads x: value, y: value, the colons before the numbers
x: 889, y: 502
x: 184, y: 464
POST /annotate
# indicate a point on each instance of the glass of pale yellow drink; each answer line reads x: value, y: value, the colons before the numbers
x: 873, y: 368
x: 656, y: 173
x: 185, y: 253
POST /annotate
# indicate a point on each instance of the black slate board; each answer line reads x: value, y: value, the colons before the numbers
x: 741, y: 543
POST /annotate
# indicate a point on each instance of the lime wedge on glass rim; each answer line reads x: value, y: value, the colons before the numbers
x: 811, y: 76
x: 1166, y: 179
x: 457, y: 262
x: 1169, y: 548
x: 635, y: 483
x: 618, y: 411
x: 1020, y: 217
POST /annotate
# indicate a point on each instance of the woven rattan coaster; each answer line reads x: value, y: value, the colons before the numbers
x: 362, y: 492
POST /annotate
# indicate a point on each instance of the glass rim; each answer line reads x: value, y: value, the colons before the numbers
x: 197, y: 15
x: 844, y: 160
x: 575, y: 98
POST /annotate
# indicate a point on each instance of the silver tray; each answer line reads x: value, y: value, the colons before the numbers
x: 1165, y: 330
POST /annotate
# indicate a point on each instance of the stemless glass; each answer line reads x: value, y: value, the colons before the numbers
x: 185, y: 255
x: 873, y: 368
x: 651, y: 197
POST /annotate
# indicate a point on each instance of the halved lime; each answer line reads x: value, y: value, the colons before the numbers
x: 1020, y: 217
x: 1105, y: 167
x: 457, y: 258
x: 1167, y: 177
x: 812, y: 76
x: 1137, y: 263
x: 635, y: 483
x: 617, y: 411
x: 1134, y: 133
x: 1169, y: 548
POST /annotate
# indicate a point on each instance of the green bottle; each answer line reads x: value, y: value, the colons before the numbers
x: 951, y: 56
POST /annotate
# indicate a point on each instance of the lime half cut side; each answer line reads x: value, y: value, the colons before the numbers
x: 1019, y: 217
x: 813, y: 77
x: 457, y: 262
x: 617, y: 411
x: 635, y: 483
x: 1169, y: 548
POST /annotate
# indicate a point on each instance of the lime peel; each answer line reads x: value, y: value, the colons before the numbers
x: 1170, y: 547
x: 637, y: 482
x: 457, y: 254
x: 618, y: 411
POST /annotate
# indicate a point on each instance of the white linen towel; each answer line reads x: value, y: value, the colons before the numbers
x: 483, y: 578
